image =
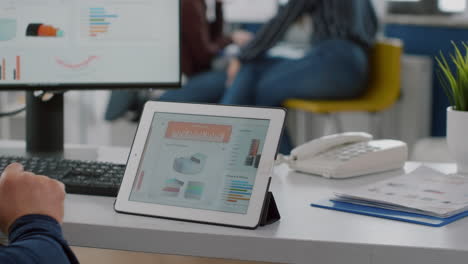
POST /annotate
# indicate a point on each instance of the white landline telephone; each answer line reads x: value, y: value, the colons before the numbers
x: 347, y: 155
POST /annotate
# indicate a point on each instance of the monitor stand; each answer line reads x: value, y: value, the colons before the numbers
x: 45, y: 131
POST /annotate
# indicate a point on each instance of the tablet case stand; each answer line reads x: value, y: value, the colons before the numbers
x: 270, y: 213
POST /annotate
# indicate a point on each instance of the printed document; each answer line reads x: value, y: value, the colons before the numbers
x: 423, y: 191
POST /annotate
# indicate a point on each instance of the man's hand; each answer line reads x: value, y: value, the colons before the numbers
x: 241, y: 37
x: 24, y: 193
x: 232, y: 70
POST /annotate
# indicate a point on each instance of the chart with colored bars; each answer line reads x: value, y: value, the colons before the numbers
x: 238, y: 192
x: 13, y: 73
x: 99, y: 21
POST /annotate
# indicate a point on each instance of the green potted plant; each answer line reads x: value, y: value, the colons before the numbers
x: 455, y: 83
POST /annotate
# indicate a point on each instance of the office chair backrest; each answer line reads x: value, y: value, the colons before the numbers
x: 385, y: 74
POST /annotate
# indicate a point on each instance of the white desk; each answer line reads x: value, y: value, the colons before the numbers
x: 303, y: 235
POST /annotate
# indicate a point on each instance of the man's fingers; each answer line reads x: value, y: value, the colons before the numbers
x: 61, y: 185
x: 29, y: 174
x: 14, y: 168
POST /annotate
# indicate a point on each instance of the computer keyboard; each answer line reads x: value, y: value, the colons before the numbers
x: 79, y: 177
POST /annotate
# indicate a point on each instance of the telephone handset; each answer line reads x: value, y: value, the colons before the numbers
x: 347, y: 155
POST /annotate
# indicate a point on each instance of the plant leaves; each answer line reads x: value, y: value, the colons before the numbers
x: 455, y: 81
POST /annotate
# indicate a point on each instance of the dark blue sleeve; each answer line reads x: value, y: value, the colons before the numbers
x: 36, y: 239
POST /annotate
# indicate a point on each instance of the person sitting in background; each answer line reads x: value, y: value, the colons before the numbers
x: 335, y: 66
x: 31, y: 212
x: 202, y: 41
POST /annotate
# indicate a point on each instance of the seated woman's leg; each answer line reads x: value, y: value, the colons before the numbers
x: 206, y: 87
x: 334, y: 69
x: 242, y: 91
x: 119, y: 103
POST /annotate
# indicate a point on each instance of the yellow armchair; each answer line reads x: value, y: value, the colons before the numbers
x: 383, y: 88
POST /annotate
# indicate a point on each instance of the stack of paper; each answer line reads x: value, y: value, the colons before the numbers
x: 424, y: 191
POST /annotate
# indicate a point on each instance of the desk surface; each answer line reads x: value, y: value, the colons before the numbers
x: 304, y: 234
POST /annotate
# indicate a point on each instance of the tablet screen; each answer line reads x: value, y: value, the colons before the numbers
x: 201, y: 162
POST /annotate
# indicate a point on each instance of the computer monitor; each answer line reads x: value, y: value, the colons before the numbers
x: 59, y: 45
x: 79, y: 44
x: 250, y: 11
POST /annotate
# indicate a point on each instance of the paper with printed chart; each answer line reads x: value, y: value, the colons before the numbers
x: 423, y: 191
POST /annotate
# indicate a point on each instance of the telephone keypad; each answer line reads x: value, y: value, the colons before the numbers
x: 349, y: 152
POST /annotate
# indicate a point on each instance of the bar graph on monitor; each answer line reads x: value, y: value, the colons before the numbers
x: 99, y: 21
x: 13, y: 72
x: 3, y: 70
x: 118, y: 22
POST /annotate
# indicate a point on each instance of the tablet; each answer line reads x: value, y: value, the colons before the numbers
x: 201, y: 163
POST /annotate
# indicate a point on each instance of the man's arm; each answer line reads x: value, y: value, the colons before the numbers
x: 31, y: 211
x: 36, y: 239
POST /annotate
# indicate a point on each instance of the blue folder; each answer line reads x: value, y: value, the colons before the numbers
x: 389, y: 214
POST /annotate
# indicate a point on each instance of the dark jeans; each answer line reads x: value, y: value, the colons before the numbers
x: 333, y: 69
x: 205, y: 87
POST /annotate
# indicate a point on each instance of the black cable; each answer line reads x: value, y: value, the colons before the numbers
x: 12, y: 113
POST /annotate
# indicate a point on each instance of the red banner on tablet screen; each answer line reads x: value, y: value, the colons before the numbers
x: 198, y: 132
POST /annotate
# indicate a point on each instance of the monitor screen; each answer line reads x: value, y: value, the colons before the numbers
x: 87, y: 44
x: 203, y: 162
